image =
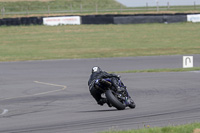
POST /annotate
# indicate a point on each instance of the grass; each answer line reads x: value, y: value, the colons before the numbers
x: 97, y: 41
x: 43, y: 5
x: 190, y: 128
x: 161, y: 70
x: 27, y: 8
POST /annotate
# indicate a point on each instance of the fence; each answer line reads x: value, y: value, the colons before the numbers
x: 89, y: 8
x: 98, y: 19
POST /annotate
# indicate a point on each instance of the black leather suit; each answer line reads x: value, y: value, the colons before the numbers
x: 96, y: 93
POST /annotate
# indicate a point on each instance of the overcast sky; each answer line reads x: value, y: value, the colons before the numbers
x: 137, y: 3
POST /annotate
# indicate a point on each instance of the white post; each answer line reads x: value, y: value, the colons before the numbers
x: 27, y: 10
x: 48, y: 9
x: 96, y: 7
x: 81, y: 7
x: 121, y: 8
x: 2, y: 11
x: 168, y: 6
x: 147, y: 6
x: 71, y: 7
x: 157, y: 5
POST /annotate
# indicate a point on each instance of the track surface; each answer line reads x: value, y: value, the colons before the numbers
x: 59, y: 102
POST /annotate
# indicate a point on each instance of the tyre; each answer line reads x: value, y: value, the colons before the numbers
x: 114, y: 101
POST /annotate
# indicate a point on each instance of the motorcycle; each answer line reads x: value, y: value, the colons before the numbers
x: 115, y: 98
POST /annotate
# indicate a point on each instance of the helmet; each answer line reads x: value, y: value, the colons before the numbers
x: 96, y: 69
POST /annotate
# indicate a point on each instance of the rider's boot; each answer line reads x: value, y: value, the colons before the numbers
x: 102, y: 101
x: 109, y: 104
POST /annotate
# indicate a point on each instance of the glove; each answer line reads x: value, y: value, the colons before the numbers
x: 105, y: 82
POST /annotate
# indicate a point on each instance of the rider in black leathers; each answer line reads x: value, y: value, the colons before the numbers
x: 97, y: 76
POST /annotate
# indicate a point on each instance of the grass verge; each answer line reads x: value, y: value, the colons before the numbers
x: 161, y: 70
x: 190, y: 128
x: 27, y: 8
x: 18, y: 43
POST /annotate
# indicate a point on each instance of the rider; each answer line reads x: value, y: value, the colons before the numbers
x: 97, y: 77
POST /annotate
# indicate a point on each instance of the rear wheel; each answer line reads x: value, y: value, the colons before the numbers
x: 114, y: 101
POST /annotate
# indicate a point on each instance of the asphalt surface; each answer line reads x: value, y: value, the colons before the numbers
x: 52, y: 96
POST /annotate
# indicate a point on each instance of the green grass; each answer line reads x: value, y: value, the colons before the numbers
x: 190, y: 128
x: 97, y: 41
x: 55, y: 5
x: 81, y: 7
x: 161, y: 70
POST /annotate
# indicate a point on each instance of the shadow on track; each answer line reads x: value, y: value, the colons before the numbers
x: 107, y: 110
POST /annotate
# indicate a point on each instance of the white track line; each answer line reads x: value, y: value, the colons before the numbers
x: 63, y: 88
x: 4, y: 112
x: 37, y: 94
x: 42, y: 93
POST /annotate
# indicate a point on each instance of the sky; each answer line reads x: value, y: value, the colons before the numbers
x: 138, y: 3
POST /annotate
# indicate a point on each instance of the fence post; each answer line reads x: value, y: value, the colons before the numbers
x: 194, y: 5
x: 71, y: 7
x: 3, y: 11
x: 147, y: 6
x: 96, y: 7
x: 168, y: 6
x: 48, y: 9
x: 81, y: 7
x: 27, y: 11
x: 157, y: 5
x: 121, y: 8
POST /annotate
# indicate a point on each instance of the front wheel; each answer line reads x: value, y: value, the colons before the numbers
x: 114, y: 101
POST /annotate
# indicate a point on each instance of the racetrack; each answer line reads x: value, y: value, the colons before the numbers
x: 52, y: 96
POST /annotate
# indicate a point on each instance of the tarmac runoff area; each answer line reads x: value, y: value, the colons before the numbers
x: 52, y: 96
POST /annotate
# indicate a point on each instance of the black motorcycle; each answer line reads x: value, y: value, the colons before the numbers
x: 118, y: 99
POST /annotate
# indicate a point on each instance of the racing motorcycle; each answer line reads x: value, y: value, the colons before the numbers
x: 118, y: 99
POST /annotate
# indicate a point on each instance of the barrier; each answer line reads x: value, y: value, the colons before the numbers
x: 97, y: 20
x: 65, y: 20
x: 193, y: 18
x: 1, y: 22
x: 109, y: 19
x: 29, y: 20
x: 7, y: 21
x: 40, y: 21
x: 150, y: 19
x: 21, y: 21
x: 33, y: 20
x: 175, y: 18
x: 10, y: 21
x: 138, y: 19
x: 24, y: 21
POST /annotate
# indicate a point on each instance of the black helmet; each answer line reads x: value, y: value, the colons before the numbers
x: 96, y: 69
